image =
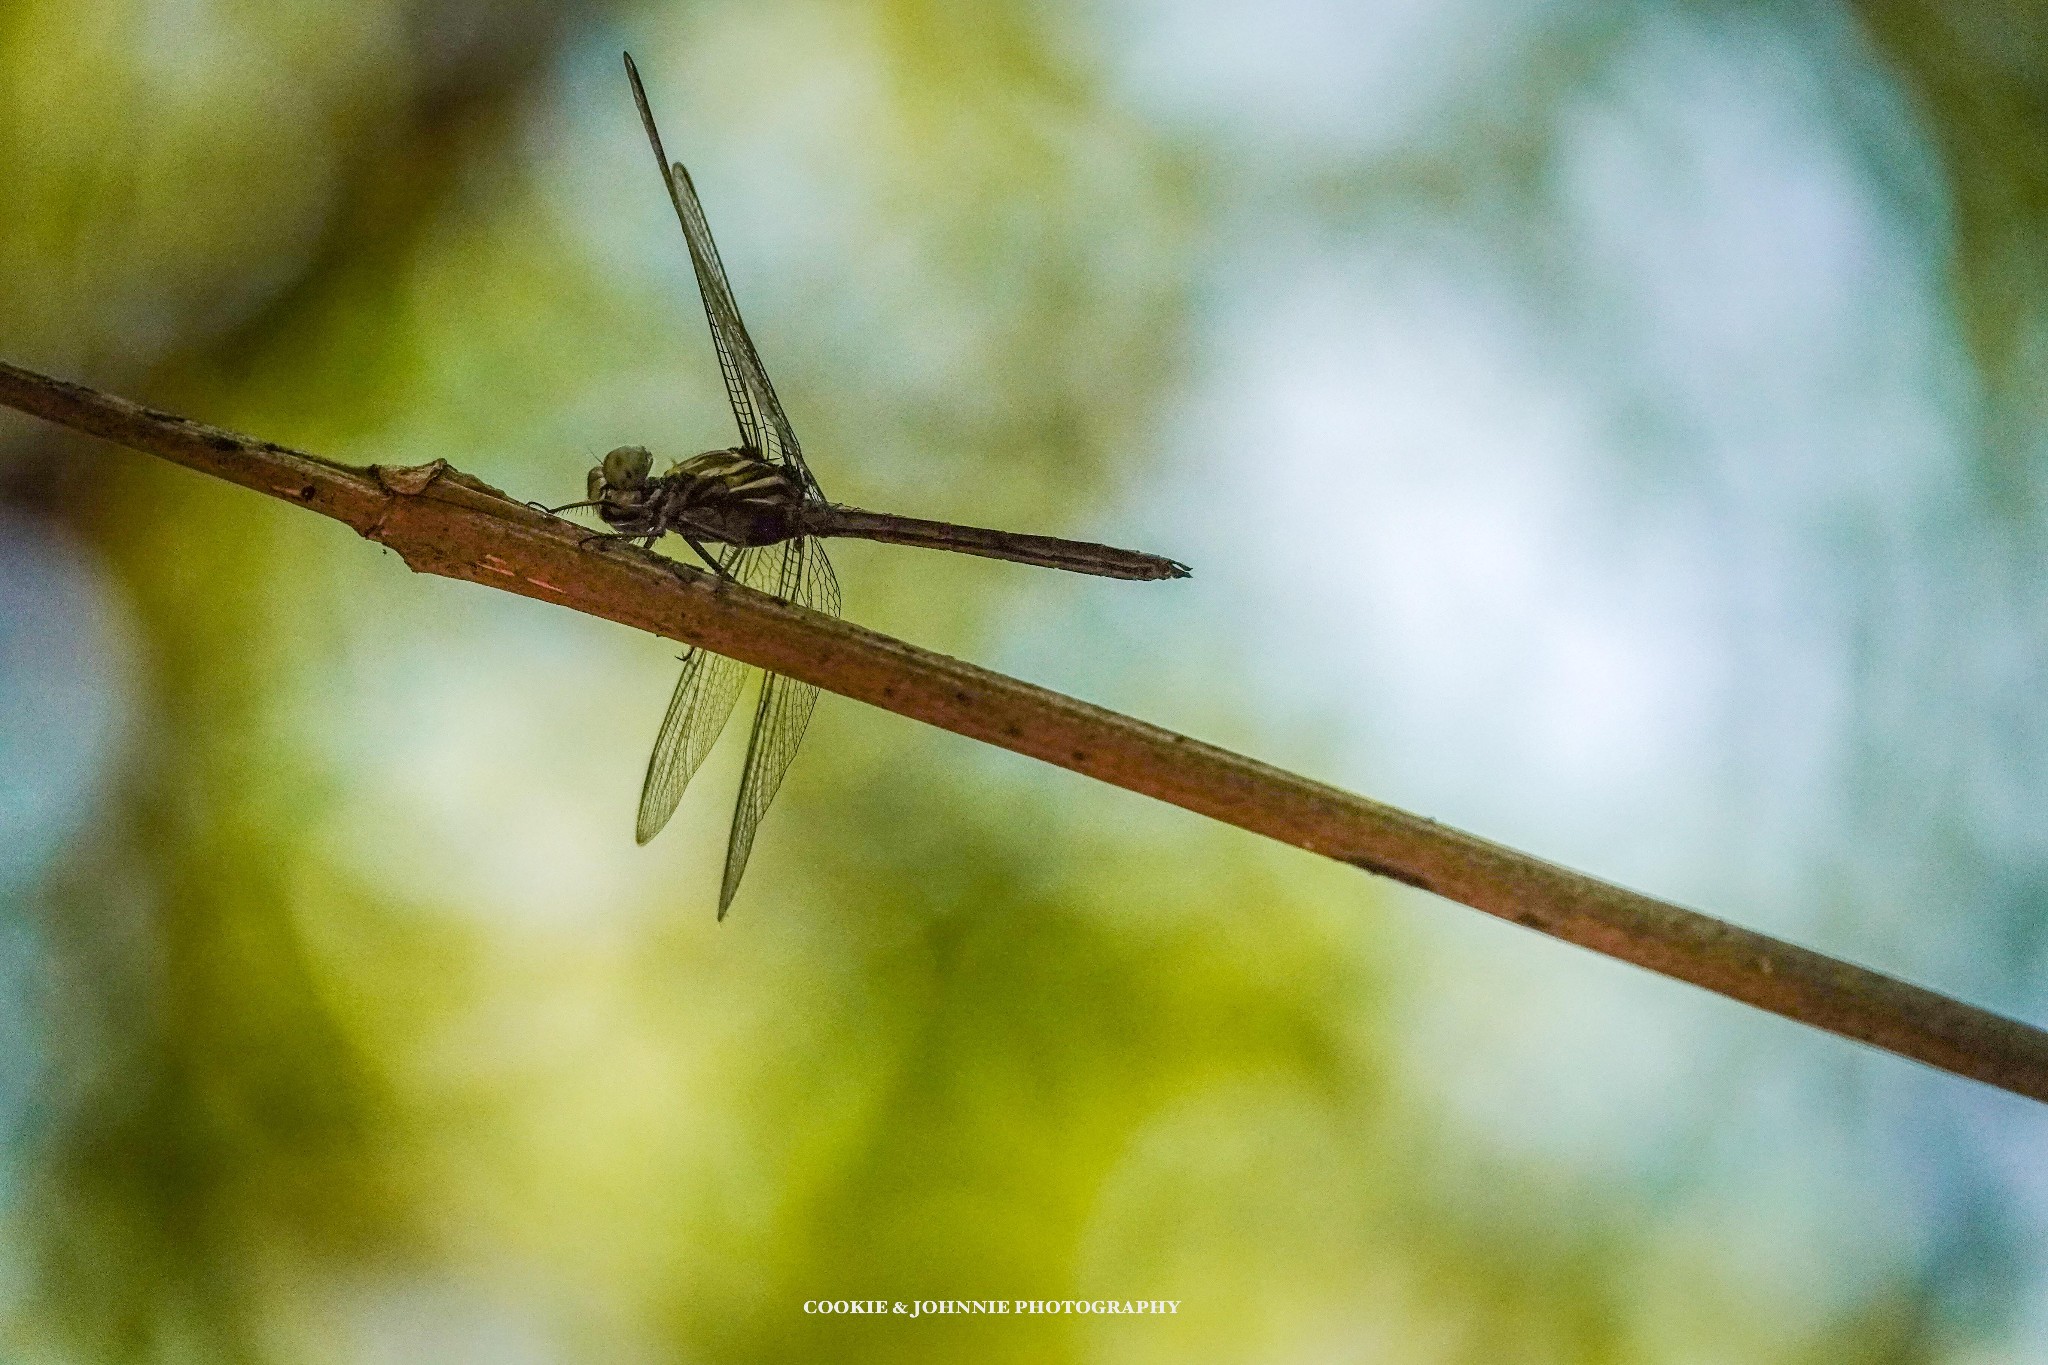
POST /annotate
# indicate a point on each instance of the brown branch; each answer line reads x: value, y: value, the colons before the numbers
x: 444, y: 522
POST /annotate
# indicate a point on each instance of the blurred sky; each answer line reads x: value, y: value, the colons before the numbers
x: 1613, y: 430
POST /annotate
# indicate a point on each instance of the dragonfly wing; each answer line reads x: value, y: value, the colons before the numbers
x: 710, y: 279
x: 803, y: 576
x: 763, y: 425
x: 772, y: 436
x: 696, y: 716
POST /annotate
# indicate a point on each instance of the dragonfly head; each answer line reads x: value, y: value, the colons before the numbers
x: 624, y: 470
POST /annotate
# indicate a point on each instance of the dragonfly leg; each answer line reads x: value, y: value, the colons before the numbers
x: 716, y: 566
x: 557, y: 511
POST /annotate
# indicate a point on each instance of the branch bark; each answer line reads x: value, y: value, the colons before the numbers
x: 442, y: 521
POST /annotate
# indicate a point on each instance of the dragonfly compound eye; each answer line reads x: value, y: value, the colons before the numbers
x: 627, y: 467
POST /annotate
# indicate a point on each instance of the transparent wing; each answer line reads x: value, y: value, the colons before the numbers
x: 696, y: 716
x: 799, y: 573
x: 763, y: 425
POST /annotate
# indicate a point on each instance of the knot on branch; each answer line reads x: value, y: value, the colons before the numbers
x: 408, y: 480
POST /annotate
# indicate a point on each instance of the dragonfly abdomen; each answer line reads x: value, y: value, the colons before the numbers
x: 1048, y: 552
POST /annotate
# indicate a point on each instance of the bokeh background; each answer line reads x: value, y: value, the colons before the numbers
x: 1617, y: 429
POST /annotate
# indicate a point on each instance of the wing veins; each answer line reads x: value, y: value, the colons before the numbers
x: 781, y: 716
x: 697, y: 714
x: 709, y: 687
x: 747, y: 386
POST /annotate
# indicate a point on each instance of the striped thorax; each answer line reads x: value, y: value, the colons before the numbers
x: 733, y: 497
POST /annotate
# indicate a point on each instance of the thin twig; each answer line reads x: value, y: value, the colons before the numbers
x: 444, y: 522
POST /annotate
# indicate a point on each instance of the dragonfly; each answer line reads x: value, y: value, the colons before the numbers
x: 755, y: 515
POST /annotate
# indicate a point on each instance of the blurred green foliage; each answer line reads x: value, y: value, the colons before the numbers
x: 370, y: 1037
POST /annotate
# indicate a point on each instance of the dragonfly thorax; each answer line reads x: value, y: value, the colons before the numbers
x: 730, y: 496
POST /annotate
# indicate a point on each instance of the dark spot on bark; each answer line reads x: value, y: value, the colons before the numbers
x: 160, y: 415
x: 889, y: 693
x: 1380, y: 869
x: 1080, y: 755
x: 1014, y: 730
x: 308, y: 492
x: 223, y: 443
